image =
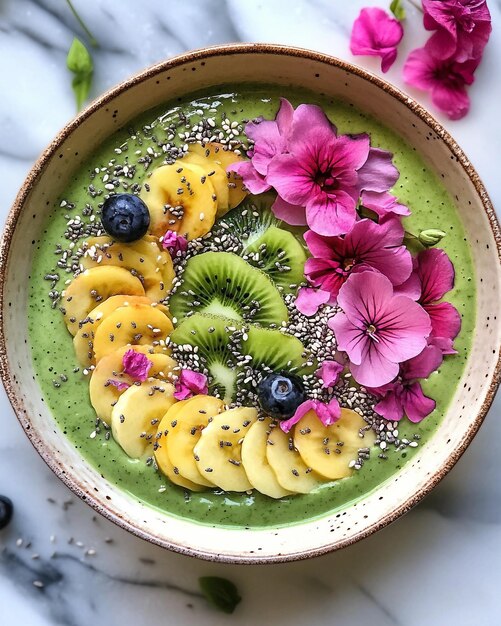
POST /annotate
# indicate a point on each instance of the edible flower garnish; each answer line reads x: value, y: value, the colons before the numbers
x: 136, y: 365
x: 329, y: 373
x: 328, y: 414
x: 405, y: 395
x: 190, y: 383
x: 308, y: 300
x: 119, y: 384
x: 174, y: 243
x: 377, y: 329
x: 383, y: 204
x: 367, y: 246
x: 375, y: 33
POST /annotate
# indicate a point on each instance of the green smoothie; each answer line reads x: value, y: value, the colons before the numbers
x: 65, y: 390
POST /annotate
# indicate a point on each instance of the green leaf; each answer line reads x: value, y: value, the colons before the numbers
x: 397, y: 9
x: 79, y: 62
x: 219, y: 592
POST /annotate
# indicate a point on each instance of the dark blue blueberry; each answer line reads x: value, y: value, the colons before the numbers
x: 125, y: 217
x: 280, y: 395
x: 6, y: 510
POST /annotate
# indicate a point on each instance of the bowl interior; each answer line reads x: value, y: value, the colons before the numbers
x: 174, y: 79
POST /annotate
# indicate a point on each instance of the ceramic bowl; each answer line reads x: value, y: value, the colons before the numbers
x: 176, y: 78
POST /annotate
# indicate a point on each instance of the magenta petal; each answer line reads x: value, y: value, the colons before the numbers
x: 383, y: 203
x: 444, y: 344
x: 174, y: 243
x: 327, y: 413
x: 436, y: 274
x: 268, y: 142
x: 190, y: 383
x: 410, y: 288
x: 309, y: 117
x: 119, y: 384
x: 308, y: 301
x: 358, y: 289
x: 292, y: 214
x: 416, y: 405
x: 136, y: 365
x: 445, y: 320
x: 284, y: 118
x: 350, y: 338
x: 374, y: 370
x: 292, y: 178
x: 252, y: 179
x: 329, y: 372
x: 422, y: 365
x: 390, y: 407
x: 375, y: 33
x: 378, y: 173
x: 331, y: 216
x: 452, y: 99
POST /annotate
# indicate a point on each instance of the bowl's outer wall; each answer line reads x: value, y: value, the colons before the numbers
x: 165, y: 83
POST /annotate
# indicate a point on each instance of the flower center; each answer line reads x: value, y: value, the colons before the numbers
x: 348, y: 264
x: 371, y: 330
x: 326, y: 181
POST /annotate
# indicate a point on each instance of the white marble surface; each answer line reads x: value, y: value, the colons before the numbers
x: 438, y: 565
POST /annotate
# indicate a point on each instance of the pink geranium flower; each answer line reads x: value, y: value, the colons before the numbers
x: 308, y: 300
x: 383, y: 204
x: 377, y: 329
x: 405, y: 395
x: 375, y: 33
x: 189, y: 384
x: 446, y: 80
x: 136, y: 365
x: 462, y: 28
x: 436, y: 277
x: 328, y: 413
x: 174, y: 243
x: 367, y: 246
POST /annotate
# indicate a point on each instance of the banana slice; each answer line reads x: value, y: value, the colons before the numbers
x: 178, y: 200
x: 135, y: 416
x: 290, y: 470
x: 137, y: 324
x: 93, y: 286
x: 223, y: 156
x: 83, y: 341
x: 256, y: 464
x: 104, y: 395
x: 217, y: 176
x: 328, y: 450
x: 108, y: 252
x: 218, y: 452
x: 161, y: 455
x: 184, y: 433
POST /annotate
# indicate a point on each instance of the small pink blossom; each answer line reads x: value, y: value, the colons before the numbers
x: 189, y: 384
x: 136, y: 365
x: 405, y: 395
x: 383, y: 204
x: 119, y: 384
x: 174, y: 243
x: 328, y: 414
x: 375, y: 33
x: 446, y: 80
x: 308, y: 301
x: 367, y: 246
x: 329, y: 373
x: 377, y: 329
x: 462, y: 28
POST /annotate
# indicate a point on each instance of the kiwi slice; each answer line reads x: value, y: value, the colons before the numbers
x: 272, y: 350
x: 260, y: 240
x: 217, y: 340
x: 222, y: 283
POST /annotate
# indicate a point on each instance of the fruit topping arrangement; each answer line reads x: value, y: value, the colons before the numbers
x: 256, y: 322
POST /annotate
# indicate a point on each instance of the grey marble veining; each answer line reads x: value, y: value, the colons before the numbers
x: 438, y: 565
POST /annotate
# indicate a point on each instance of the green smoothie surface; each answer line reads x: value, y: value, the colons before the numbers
x: 52, y: 348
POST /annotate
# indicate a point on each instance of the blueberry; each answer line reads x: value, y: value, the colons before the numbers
x: 6, y: 510
x: 280, y: 394
x: 125, y: 217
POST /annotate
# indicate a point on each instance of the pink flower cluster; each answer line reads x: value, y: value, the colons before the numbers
x: 445, y: 66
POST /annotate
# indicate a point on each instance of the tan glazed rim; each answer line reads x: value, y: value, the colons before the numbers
x: 17, y: 403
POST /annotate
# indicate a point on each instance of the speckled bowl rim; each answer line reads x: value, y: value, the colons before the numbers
x: 32, y: 178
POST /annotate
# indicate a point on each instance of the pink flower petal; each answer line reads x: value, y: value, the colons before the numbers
x: 378, y: 172
x: 252, y: 179
x: 308, y: 301
x: 328, y: 414
x: 329, y: 373
x: 375, y: 369
x: 375, y: 33
x: 136, y: 365
x: 410, y: 288
x: 445, y: 320
x: 174, y: 243
x: 422, y: 365
x: 331, y: 216
x: 119, y: 384
x: 189, y: 384
x: 416, y: 405
x: 383, y: 204
x: 350, y: 338
x: 292, y: 214
x: 390, y: 407
x: 444, y: 344
x: 436, y: 273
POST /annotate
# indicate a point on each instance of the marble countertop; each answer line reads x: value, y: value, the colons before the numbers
x: 439, y: 564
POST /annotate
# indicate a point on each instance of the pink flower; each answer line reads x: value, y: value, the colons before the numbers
x: 462, y: 28
x: 329, y: 373
x: 119, y: 384
x: 326, y: 413
x: 174, y: 243
x: 136, y: 365
x: 405, y: 395
x: 378, y: 172
x: 445, y: 80
x: 436, y: 277
x: 377, y: 329
x: 367, y: 246
x: 383, y: 204
x: 308, y: 301
x: 189, y: 384
x: 375, y: 33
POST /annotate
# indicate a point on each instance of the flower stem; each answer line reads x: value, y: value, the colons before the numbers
x: 416, y: 5
x: 92, y: 39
